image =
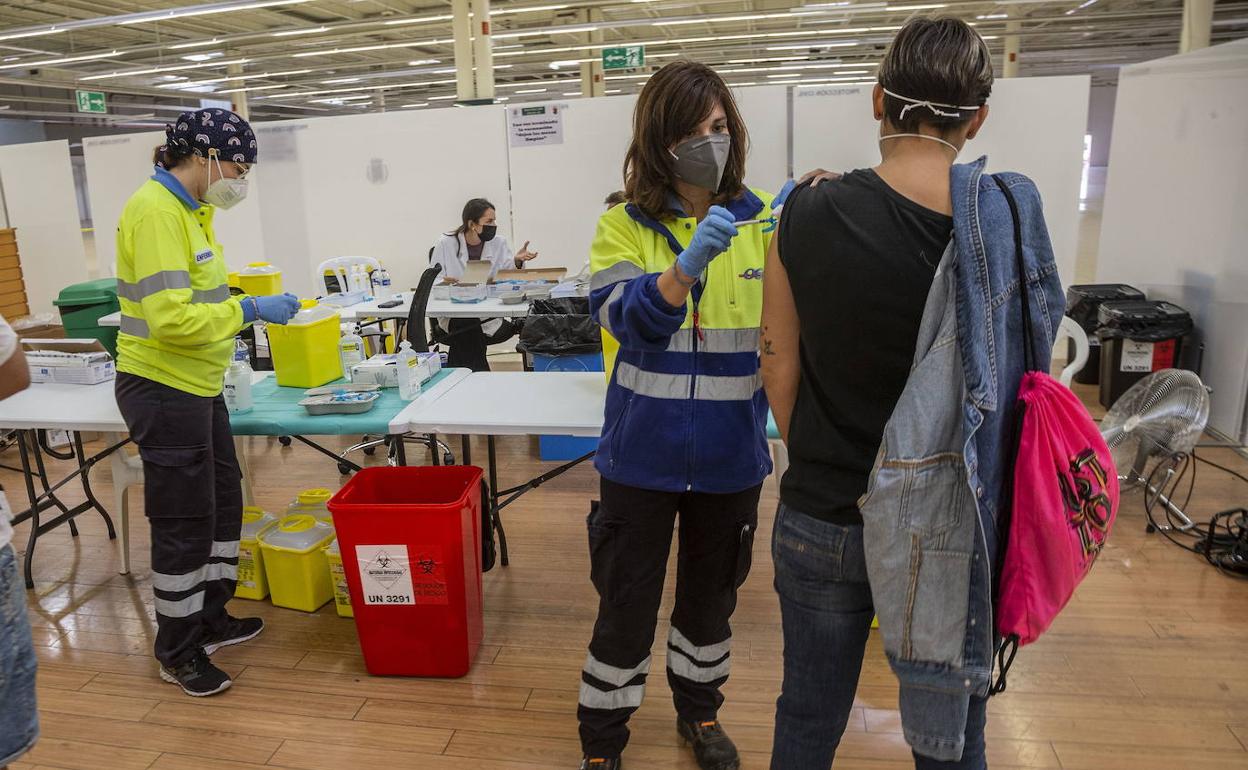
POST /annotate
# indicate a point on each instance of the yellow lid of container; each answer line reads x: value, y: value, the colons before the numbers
x: 259, y: 268
x: 255, y: 521
x: 298, y: 533
x: 314, y: 496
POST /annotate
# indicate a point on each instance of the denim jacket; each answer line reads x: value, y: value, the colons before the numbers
x: 930, y: 510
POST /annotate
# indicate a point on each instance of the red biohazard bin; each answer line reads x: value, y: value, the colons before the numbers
x: 411, y: 549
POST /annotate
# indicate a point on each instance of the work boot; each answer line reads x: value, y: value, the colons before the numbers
x: 602, y: 763
x: 197, y: 677
x: 237, y: 631
x: 712, y: 748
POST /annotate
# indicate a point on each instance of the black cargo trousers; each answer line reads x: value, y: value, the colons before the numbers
x: 193, y: 499
x: 630, y: 536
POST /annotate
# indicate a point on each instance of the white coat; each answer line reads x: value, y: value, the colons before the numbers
x: 452, y: 254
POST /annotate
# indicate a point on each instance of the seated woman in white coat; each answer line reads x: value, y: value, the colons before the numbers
x: 475, y: 239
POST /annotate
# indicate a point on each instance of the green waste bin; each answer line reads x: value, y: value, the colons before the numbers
x: 83, y: 305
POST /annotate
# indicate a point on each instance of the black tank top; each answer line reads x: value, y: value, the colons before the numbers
x: 860, y: 259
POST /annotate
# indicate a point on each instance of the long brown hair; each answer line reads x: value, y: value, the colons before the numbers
x: 673, y: 102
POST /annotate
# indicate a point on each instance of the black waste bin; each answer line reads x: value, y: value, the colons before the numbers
x: 561, y: 327
x: 1138, y: 338
x: 1082, y: 303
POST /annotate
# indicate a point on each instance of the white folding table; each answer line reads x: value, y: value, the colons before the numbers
x: 73, y: 408
x: 437, y: 308
x: 516, y: 404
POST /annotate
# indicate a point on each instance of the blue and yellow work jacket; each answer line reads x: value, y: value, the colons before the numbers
x: 178, y: 320
x: 685, y: 407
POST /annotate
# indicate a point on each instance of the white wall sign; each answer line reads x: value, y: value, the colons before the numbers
x: 536, y: 125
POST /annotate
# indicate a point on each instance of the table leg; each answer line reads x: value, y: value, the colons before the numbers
x: 240, y: 451
x: 34, y: 500
x: 494, y: 511
x: 433, y: 448
x: 466, y: 443
x: 86, y: 488
x: 400, y: 450
x: 127, y: 472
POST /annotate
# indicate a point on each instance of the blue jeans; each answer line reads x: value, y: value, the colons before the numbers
x: 826, y: 610
x: 19, y: 721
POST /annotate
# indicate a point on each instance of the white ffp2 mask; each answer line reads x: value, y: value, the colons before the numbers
x: 225, y: 193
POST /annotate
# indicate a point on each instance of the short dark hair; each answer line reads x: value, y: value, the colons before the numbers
x: 939, y: 60
x: 167, y: 158
x: 672, y: 103
x: 615, y: 199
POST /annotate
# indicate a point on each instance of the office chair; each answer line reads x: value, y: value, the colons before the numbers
x: 419, y: 339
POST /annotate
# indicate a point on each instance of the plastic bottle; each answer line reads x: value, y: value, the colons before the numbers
x: 385, y: 279
x: 351, y: 350
x: 409, y: 376
x: 237, y: 389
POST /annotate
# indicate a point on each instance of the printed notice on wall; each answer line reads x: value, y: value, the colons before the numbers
x: 1137, y: 356
x: 385, y: 574
x: 538, y: 125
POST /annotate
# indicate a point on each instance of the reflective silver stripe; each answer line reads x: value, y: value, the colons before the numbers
x: 727, y: 388
x: 604, y: 312
x: 613, y: 675
x: 156, y: 282
x: 135, y: 327
x: 651, y: 384
x: 182, y: 608
x: 684, y: 668
x: 708, y: 654
x: 715, y: 341
x: 178, y: 583
x: 676, y: 386
x: 620, y: 271
x: 625, y: 697
x: 205, y: 296
x: 225, y: 550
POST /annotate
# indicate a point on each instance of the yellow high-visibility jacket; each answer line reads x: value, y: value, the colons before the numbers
x: 178, y: 320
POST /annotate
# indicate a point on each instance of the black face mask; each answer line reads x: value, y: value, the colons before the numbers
x: 488, y: 232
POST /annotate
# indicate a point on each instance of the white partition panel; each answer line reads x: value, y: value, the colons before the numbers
x: 39, y: 197
x: 118, y: 165
x: 1036, y: 126
x: 1174, y: 222
x: 383, y: 185
x: 558, y: 189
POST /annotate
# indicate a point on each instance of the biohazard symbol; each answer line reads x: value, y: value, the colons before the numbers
x: 1088, y: 507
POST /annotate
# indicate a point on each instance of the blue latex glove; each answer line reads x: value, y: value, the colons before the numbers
x: 712, y: 238
x: 783, y: 195
x: 275, y: 309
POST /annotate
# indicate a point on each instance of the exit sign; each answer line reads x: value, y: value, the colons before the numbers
x: 625, y: 58
x: 91, y: 101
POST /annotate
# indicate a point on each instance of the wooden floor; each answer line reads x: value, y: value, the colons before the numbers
x: 1147, y: 668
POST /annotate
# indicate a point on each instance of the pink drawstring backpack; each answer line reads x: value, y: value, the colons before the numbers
x: 1063, y: 500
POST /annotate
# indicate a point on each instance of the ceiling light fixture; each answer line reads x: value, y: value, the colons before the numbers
x: 441, y: 98
x: 1085, y: 4
x: 35, y: 33
x: 419, y: 20
x: 194, y: 10
x: 361, y: 49
x: 253, y: 88
x: 155, y: 70
x: 982, y: 17
x: 203, y: 56
x: 64, y: 60
x: 339, y: 81
x: 294, y: 32
x: 531, y: 91
x: 193, y: 44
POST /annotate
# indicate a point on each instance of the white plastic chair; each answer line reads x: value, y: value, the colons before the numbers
x: 341, y: 267
x: 1069, y: 329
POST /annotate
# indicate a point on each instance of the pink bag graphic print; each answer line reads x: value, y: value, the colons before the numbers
x: 1064, y: 503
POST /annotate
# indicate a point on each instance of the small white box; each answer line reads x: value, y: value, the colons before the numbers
x: 71, y: 362
x: 382, y: 370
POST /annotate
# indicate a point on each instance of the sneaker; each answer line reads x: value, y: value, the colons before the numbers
x: 602, y: 763
x: 197, y: 677
x: 237, y: 631
x: 711, y: 746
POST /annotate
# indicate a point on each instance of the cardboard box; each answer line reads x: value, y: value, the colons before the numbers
x: 45, y: 326
x: 69, y: 362
x: 382, y: 370
x: 555, y: 274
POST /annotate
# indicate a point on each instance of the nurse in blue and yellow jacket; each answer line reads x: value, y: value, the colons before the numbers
x: 679, y: 286
x: 178, y: 323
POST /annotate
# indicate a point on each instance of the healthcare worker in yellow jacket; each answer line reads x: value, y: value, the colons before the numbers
x: 677, y: 281
x: 178, y: 325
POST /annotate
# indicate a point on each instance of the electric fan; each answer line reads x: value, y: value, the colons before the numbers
x: 1158, y: 421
